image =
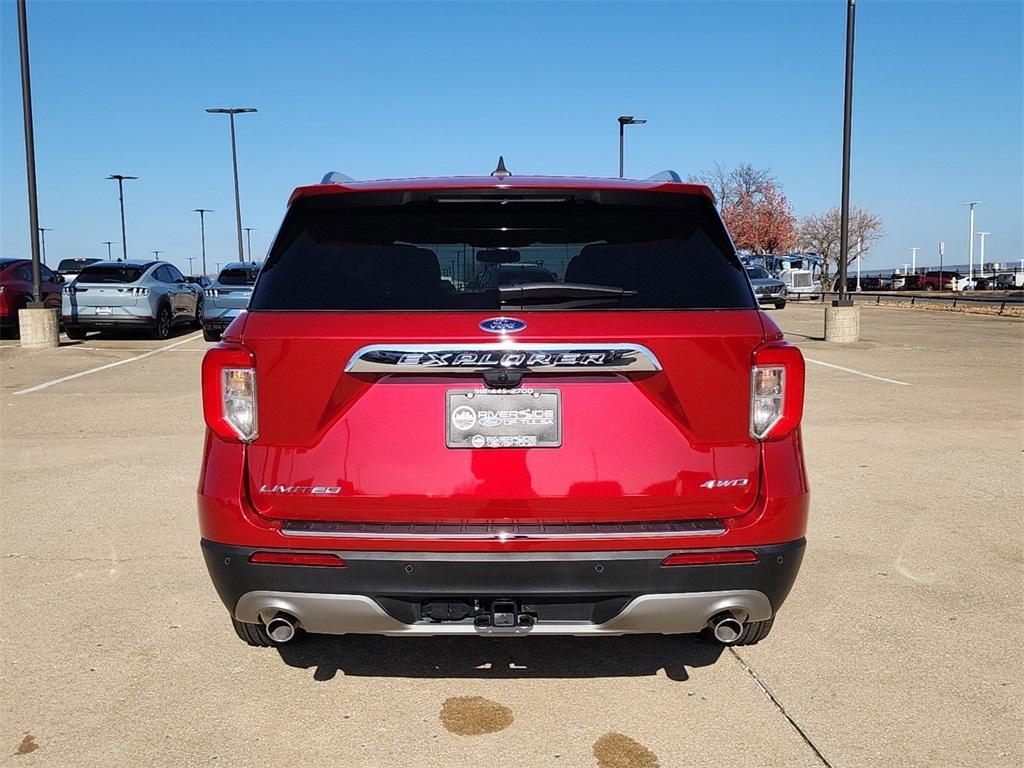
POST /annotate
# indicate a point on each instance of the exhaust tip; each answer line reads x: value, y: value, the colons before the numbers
x: 726, y: 628
x: 281, y: 628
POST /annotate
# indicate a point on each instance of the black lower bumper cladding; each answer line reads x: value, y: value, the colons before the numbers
x: 584, y: 586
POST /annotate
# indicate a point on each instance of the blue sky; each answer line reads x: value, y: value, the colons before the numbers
x: 409, y: 89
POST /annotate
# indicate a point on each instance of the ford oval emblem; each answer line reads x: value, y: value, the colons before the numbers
x: 502, y: 325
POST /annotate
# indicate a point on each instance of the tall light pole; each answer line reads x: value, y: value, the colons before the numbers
x: 108, y: 243
x: 970, y: 245
x: 120, y: 179
x: 981, y: 255
x: 248, y: 239
x: 844, y: 226
x: 202, y: 230
x: 156, y: 254
x: 913, y: 259
x: 190, y: 260
x: 625, y: 120
x: 30, y: 155
x: 231, y: 112
x: 42, y: 239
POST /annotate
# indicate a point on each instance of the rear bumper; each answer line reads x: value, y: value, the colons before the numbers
x: 99, y: 322
x: 579, y: 593
x: 218, y: 317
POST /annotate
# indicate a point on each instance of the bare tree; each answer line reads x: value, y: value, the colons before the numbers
x: 819, y: 233
x: 729, y: 185
x: 745, y: 179
x: 718, y: 180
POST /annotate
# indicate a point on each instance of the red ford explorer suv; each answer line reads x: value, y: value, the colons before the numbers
x: 503, y: 406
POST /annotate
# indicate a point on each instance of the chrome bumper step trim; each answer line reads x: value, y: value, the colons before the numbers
x: 667, y: 614
x: 504, y: 532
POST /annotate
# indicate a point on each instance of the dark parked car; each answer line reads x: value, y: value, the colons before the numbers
x: 16, y: 290
x: 768, y: 289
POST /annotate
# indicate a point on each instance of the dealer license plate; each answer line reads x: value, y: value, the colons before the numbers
x: 503, y: 418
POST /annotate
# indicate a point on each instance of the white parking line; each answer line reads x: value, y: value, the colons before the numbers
x: 62, y: 379
x: 859, y: 373
x: 133, y: 349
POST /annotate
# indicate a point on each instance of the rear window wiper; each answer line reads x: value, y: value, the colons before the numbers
x: 531, y: 291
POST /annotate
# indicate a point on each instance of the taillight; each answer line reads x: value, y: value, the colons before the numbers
x: 714, y: 557
x: 229, y: 393
x: 776, y: 391
x: 211, y: 293
x: 315, y: 559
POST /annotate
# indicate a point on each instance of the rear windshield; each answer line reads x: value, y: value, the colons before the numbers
x: 109, y: 274
x: 74, y: 265
x: 238, y: 276
x: 482, y: 252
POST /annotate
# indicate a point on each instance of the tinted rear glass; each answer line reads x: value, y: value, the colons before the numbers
x: 452, y: 252
x: 74, y: 265
x: 238, y: 276
x: 125, y: 274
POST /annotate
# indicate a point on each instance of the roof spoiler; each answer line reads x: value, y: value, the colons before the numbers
x: 333, y: 177
x: 668, y: 175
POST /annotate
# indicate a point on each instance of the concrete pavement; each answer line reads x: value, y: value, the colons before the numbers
x: 898, y: 647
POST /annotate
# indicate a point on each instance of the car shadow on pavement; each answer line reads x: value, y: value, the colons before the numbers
x: 497, y: 658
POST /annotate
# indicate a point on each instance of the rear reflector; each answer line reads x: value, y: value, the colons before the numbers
x: 297, y: 558
x: 711, y: 558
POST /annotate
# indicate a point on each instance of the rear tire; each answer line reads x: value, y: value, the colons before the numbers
x: 162, y: 327
x: 74, y: 332
x: 210, y: 334
x: 754, y: 632
x: 198, y: 321
x: 257, y: 636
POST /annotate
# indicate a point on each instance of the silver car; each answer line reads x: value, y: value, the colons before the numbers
x: 767, y: 289
x: 149, y: 295
x: 227, y: 297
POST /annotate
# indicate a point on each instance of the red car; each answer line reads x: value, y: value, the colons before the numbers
x: 396, y: 446
x: 16, y: 290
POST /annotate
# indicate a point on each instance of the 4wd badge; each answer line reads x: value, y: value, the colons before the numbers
x: 726, y: 483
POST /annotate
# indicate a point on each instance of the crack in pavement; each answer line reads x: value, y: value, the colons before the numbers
x: 782, y: 710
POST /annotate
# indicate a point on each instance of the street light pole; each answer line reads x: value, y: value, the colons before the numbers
x: 108, y: 243
x: 844, y: 227
x: 30, y: 155
x: 231, y: 112
x: 190, y: 260
x: 625, y: 120
x: 202, y: 230
x: 120, y: 179
x: 248, y: 239
x: 42, y: 239
x: 981, y: 255
x: 970, y: 243
x: 156, y: 254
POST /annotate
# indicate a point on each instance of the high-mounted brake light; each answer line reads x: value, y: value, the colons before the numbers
x: 776, y: 391
x: 229, y: 393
